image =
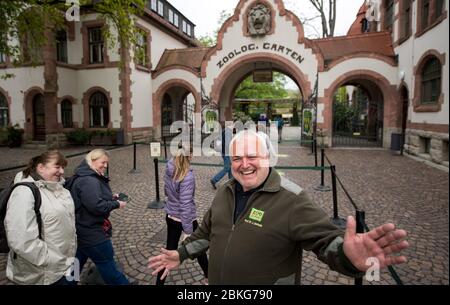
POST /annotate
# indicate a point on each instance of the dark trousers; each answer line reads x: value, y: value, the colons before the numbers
x: 103, y: 257
x: 174, y: 230
x: 225, y: 170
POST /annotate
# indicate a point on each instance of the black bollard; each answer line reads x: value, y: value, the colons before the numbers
x: 156, y: 204
x: 322, y: 187
x: 339, y: 222
x: 315, y: 152
x: 165, y: 148
x: 134, y: 170
x: 360, y: 219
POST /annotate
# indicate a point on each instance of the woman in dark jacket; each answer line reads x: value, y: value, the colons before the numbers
x: 94, y: 202
x: 179, y: 187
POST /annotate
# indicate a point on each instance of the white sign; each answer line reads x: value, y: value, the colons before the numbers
x: 155, y: 149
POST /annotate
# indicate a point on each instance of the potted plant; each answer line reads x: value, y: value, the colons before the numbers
x: 14, y: 136
x: 79, y: 137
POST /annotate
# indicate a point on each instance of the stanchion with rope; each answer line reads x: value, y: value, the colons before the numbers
x: 134, y: 170
x: 338, y: 221
x: 155, y: 152
x: 322, y: 187
x: 315, y: 152
x: 165, y: 148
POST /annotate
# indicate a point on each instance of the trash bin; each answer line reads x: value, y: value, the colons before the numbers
x: 396, y: 141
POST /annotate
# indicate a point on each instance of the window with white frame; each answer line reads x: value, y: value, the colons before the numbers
x: 170, y: 15
x: 61, y: 46
x: 160, y: 8
x: 184, y: 26
x: 175, y: 20
x: 431, y: 81
x: 153, y: 5
x: 98, y: 110
x: 95, y: 45
x: 141, y: 48
x: 188, y: 29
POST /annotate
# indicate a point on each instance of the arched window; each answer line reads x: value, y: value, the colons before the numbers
x: 431, y: 81
x: 66, y: 114
x: 4, y: 120
x: 98, y: 110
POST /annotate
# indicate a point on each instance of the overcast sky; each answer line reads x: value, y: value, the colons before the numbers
x: 205, y: 14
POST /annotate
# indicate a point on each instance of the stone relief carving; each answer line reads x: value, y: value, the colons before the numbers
x: 259, y: 20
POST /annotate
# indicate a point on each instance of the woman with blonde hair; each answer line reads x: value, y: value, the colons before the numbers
x: 94, y: 202
x: 181, y: 212
x: 42, y: 246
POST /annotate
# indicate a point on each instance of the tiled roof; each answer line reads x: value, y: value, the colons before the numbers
x: 379, y: 43
x: 189, y: 57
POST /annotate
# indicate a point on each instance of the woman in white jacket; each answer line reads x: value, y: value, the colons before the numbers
x: 33, y: 260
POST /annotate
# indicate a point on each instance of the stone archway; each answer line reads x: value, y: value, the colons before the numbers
x: 373, y: 82
x: 159, y: 96
x: 227, y: 81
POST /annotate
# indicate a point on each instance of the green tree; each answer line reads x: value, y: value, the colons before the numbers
x: 210, y: 40
x: 26, y: 20
x: 275, y: 90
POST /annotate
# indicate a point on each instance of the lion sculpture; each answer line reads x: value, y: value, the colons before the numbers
x: 259, y: 20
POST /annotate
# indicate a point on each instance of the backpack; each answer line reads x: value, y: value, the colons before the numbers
x: 4, y: 197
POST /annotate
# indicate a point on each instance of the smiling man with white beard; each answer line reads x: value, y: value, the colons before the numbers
x: 258, y: 223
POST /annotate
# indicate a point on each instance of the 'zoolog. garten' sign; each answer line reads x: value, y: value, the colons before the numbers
x: 265, y: 46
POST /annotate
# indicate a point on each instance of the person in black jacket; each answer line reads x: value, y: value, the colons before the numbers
x: 94, y: 202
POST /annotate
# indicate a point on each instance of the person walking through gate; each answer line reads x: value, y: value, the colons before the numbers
x: 94, y: 202
x: 181, y: 213
x: 226, y: 135
x: 45, y: 260
x: 280, y: 124
x: 259, y: 221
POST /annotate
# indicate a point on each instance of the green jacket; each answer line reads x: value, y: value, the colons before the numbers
x: 262, y: 247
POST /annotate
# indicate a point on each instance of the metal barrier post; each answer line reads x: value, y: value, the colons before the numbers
x: 322, y: 187
x: 340, y: 222
x: 165, y: 148
x: 156, y: 204
x: 315, y: 151
x: 360, y: 216
x: 134, y: 170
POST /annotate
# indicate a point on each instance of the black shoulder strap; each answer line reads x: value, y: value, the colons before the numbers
x: 37, y: 202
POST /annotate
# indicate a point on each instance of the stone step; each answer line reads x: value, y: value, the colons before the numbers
x: 35, y: 145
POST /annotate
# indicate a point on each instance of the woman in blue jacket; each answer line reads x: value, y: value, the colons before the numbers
x: 94, y: 202
x: 181, y: 213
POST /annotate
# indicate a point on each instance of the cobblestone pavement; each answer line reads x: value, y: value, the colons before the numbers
x: 390, y: 188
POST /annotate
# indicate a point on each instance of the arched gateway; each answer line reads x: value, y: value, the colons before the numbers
x: 263, y: 35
